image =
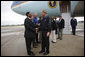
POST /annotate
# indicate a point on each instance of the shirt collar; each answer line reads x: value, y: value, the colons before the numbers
x: 29, y: 17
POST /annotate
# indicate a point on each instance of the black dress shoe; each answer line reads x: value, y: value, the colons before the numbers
x: 58, y: 38
x: 46, y: 53
x: 39, y: 42
x: 41, y: 51
x: 34, y: 46
x: 31, y: 53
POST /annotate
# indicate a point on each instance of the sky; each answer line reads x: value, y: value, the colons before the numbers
x: 9, y: 17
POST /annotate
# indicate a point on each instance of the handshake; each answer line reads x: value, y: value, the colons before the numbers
x: 37, y: 29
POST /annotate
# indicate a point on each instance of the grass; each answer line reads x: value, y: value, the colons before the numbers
x: 11, y: 25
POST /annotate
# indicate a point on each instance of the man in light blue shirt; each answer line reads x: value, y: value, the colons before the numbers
x: 35, y: 21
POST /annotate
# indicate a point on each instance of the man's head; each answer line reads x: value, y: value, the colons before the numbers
x: 44, y: 12
x: 52, y: 17
x: 60, y: 17
x: 28, y: 14
x: 72, y: 17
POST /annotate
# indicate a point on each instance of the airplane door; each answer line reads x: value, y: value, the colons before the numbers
x: 64, y: 6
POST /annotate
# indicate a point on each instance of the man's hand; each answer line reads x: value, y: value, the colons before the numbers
x: 48, y: 34
x: 36, y: 29
x: 38, y: 24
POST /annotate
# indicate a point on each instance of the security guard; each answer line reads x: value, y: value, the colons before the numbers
x: 73, y: 23
x: 45, y: 27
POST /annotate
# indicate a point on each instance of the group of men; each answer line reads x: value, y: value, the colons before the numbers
x: 46, y: 26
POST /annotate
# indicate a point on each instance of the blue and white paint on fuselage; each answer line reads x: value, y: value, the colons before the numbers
x: 35, y: 7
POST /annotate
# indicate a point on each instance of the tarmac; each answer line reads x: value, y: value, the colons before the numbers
x: 13, y: 44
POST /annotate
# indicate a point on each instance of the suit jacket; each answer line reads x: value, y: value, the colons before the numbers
x: 30, y: 31
x: 73, y: 22
x: 53, y: 25
x: 45, y: 24
x: 61, y: 24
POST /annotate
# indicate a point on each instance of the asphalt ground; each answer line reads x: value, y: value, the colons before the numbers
x: 13, y: 44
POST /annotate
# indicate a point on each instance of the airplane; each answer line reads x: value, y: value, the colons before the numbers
x: 66, y: 9
x: 55, y: 8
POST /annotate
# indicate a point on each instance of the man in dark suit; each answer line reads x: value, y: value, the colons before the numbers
x: 53, y: 29
x: 45, y: 27
x: 61, y: 25
x: 30, y: 32
x: 73, y: 23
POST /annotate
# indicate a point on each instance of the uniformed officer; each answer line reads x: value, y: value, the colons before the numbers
x: 45, y: 27
x: 30, y: 32
x: 73, y: 23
